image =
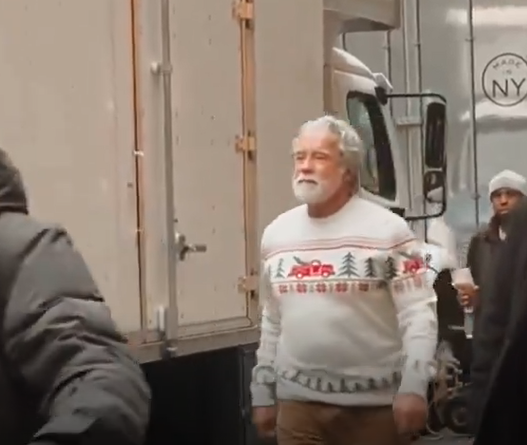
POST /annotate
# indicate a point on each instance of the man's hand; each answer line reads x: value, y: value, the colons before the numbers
x: 410, y: 412
x: 467, y: 294
x: 264, y: 419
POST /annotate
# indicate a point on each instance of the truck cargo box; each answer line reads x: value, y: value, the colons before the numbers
x: 148, y: 140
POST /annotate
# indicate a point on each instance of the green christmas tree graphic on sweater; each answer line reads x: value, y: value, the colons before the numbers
x: 370, y: 268
x: 391, y: 270
x: 428, y: 259
x: 348, y: 268
x: 280, y: 269
x: 300, y: 261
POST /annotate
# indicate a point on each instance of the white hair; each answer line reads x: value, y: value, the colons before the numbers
x: 350, y: 143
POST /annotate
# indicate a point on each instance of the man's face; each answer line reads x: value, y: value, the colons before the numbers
x: 504, y: 199
x: 318, y: 170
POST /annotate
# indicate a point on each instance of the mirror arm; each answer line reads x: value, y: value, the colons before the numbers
x: 408, y: 95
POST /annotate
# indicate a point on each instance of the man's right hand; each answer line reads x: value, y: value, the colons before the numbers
x: 264, y: 419
x: 467, y: 295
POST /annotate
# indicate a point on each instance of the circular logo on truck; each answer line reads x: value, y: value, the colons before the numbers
x: 504, y: 79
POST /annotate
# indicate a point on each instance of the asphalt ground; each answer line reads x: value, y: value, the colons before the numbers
x: 445, y: 438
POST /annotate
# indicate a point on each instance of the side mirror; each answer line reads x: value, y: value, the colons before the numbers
x: 434, y: 153
x: 435, y: 132
x: 433, y: 182
x: 435, y: 179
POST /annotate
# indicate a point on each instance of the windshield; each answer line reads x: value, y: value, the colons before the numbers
x: 378, y: 171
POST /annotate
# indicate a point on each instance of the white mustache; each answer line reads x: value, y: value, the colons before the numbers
x: 307, y: 179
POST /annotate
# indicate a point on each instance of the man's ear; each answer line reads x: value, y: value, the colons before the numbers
x: 352, y: 179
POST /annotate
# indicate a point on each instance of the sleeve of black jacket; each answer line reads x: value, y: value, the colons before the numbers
x: 62, y: 340
x: 493, y: 320
x: 472, y: 259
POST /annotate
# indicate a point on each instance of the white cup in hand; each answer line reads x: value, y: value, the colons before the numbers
x: 463, y: 281
x: 462, y: 277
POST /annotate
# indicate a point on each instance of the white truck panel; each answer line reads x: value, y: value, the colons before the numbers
x: 289, y: 91
x: 149, y: 115
x: 66, y: 117
x: 208, y: 171
x: 208, y: 174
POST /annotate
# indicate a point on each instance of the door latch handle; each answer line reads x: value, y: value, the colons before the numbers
x: 183, y: 248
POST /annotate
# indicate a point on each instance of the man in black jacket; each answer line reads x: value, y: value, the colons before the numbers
x: 501, y: 358
x: 66, y: 376
x: 506, y: 190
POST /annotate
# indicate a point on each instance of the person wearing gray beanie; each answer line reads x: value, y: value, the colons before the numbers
x: 506, y: 190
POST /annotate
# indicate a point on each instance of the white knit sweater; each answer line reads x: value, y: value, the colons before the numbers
x: 348, y: 317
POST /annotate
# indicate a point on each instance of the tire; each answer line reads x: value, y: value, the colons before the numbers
x: 455, y: 415
x: 434, y: 423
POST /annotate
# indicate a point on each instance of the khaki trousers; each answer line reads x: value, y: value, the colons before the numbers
x: 306, y: 423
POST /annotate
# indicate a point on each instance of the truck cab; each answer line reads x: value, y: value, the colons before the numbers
x: 355, y: 99
x: 356, y: 94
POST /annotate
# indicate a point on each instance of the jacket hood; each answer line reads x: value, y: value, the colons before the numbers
x: 13, y: 196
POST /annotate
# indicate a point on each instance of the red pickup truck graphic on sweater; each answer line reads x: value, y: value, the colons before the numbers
x: 313, y: 269
x: 413, y: 265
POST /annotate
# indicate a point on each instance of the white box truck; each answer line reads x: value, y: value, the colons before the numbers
x: 158, y: 133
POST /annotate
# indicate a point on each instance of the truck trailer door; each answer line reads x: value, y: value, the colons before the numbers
x: 195, y: 84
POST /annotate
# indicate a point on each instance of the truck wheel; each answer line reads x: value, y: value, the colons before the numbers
x: 455, y: 415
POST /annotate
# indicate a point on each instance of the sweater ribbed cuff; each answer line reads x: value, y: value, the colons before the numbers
x: 413, y: 382
x: 263, y: 394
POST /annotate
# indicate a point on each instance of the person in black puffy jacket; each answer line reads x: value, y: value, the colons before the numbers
x: 66, y: 375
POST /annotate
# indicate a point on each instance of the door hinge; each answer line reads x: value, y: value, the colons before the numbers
x: 245, y: 144
x: 243, y: 10
x: 248, y: 284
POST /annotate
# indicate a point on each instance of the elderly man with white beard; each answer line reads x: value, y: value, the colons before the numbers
x: 349, y: 326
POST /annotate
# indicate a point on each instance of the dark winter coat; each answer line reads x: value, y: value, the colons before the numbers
x: 66, y: 376
x: 483, y: 247
x: 483, y: 354
x: 500, y: 361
